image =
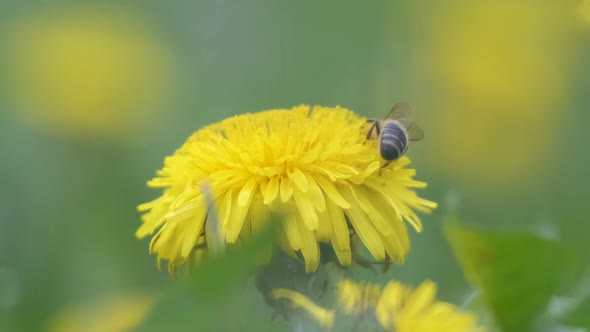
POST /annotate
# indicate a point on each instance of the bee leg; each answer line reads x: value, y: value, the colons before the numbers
x: 370, y: 132
x: 384, y: 165
x: 374, y: 126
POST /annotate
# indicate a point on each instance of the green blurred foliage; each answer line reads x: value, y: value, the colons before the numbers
x: 68, y: 197
x: 578, y: 315
x: 517, y: 272
x: 211, y: 295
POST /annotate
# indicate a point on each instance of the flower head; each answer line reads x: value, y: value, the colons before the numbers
x: 314, y: 167
x: 396, y: 307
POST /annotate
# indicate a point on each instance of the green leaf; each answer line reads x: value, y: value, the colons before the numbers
x: 211, y: 296
x: 517, y: 272
x: 579, y: 316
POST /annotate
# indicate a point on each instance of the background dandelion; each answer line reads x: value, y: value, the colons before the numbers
x: 89, y: 70
x: 393, y: 307
x: 497, y: 61
x: 500, y: 88
x: 115, y: 313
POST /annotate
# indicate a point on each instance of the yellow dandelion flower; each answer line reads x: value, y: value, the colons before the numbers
x: 396, y: 307
x: 315, y: 167
x: 403, y: 309
x: 356, y: 298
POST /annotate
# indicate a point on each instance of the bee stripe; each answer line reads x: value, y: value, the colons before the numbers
x: 393, y: 138
x: 389, y: 151
x: 395, y: 132
x: 390, y: 144
x: 392, y: 135
x: 393, y: 141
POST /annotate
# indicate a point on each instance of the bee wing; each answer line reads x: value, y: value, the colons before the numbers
x: 415, y: 132
x: 399, y: 111
x: 403, y: 113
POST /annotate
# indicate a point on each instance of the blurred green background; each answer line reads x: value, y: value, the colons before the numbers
x: 94, y: 95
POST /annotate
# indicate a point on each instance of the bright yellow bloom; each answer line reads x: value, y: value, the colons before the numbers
x: 396, y: 307
x: 316, y: 168
x: 113, y: 314
x: 84, y: 70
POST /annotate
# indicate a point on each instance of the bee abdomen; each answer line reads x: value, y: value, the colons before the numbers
x: 393, y: 141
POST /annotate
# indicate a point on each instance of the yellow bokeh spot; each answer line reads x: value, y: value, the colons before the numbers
x: 500, y: 75
x: 583, y: 12
x: 116, y: 313
x: 86, y: 70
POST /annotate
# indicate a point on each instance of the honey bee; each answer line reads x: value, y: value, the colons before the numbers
x: 394, y: 132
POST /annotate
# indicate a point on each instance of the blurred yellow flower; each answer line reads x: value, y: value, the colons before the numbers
x: 500, y: 72
x: 85, y: 71
x: 113, y: 314
x: 324, y: 317
x: 584, y: 12
x: 356, y: 298
x: 401, y: 308
x: 315, y: 167
x: 396, y: 307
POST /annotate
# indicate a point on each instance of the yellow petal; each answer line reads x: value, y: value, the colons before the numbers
x: 194, y: 226
x: 324, y: 317
x: 151, y: 221
x: 292, y: 231
x: 421, y: 297
x: 308, y: 214
x: 309, y: 248
x: 344, y: 255
x: 395, y: 247
x: 332, y: 192
x: 225, y: 208
x: 236, y: 218
x: 298, y: 178
x: 286, y: 189
x: 324, y: 231
x: 364, y: 228
x: 245, y: 196
x: 340, y: 232
x: 376, y: 215
x: 315, y: 194
x: 272, y: 190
